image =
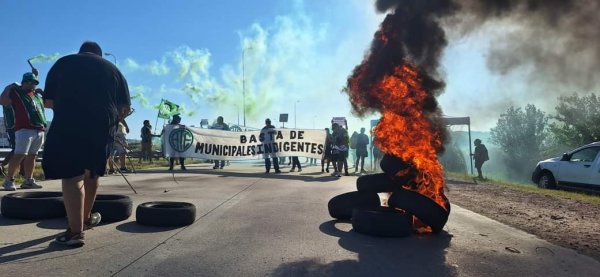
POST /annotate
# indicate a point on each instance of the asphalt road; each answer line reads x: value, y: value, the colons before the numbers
x: 252, y: 224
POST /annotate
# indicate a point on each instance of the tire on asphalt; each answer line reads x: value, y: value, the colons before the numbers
x: 341, y: 206
x: 546, y: 181
x: 113, y: 207
x: 376, y: 183
x: 382, y: 222
x: 425, y: 209
x: 33, y: 205
x: 165, y: 213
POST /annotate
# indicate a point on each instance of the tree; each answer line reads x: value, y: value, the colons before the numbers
x: 578, y: 120
x: 521, y: 135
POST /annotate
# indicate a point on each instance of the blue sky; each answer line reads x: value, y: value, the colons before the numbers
x: 296, y: 54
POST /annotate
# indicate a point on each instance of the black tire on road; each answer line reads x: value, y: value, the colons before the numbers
x: 33, y: 205
x: 429, y: 212
x: 113, y: 207
x: 547, y: 181
x: 165, y: 213
x: 341, y: 206
x: 376, y: 183
x: 382, y: 222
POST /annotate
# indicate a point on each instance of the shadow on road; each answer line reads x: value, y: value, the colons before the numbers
x: 419, y: 255
x: 306, y: 177
x: 133, y: 227
x: 5, y: 252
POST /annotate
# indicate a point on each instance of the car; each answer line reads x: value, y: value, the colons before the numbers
x: 577, y: 168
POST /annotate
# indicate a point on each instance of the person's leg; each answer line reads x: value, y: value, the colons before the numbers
x: 73, y: 196
x: 29, y: 166
x: 362, y: 163
x: 171, y: 162
x: 479, y: 173
x: 122, y: 158
x: 276, y: 164
x: 90, y: 189
x: 182, y: 163
x: 268, y: 165
x: 222, y: 164
x: 322, y: 165
x: 299, y: 165
x: 216, y: 164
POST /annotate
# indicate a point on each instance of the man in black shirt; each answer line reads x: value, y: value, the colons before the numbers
x: 267, y: 160
x: 88, y: 95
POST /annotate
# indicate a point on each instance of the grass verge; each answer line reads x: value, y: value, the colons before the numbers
x: 573, y: 195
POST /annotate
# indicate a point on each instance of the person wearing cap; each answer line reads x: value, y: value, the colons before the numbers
x: 269, y: 126
x: 27, y: 110
x: 220, y: 125
x: 174, y: 124
x: 89, y: 96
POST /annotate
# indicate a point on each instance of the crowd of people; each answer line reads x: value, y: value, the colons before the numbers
x: 84, y: 90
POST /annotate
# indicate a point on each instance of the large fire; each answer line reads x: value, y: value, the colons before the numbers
x: 405, y: 130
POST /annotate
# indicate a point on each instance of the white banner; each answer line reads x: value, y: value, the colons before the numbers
x: 189, y: 142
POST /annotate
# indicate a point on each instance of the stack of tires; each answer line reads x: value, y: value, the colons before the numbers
x: 364, y: 208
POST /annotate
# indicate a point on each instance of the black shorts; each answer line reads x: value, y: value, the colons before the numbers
x: 68, y: 152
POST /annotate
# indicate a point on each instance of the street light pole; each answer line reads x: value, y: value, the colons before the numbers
x: 114, y: 58
x: 244, y: 82
x: 295, y: 113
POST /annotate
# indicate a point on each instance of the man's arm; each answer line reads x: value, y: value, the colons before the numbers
x: 51, y: 86
x: 5, y: 97
x: 123, y: 100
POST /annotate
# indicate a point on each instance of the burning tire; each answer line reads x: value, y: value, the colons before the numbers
x: 113, y: 207
x: 165, y: 214
x: 422, y: 207
x: 376, y: 183
x: 341, y: 206
x: 33, y: 205
x: 382, y: 222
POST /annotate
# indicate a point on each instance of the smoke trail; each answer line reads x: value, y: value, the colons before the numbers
x: 139, y: 95
x: 45, y: 58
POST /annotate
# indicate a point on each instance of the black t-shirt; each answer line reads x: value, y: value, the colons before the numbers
x: 85, y: 89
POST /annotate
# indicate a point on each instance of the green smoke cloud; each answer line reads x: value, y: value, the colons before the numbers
x: 41, y: 58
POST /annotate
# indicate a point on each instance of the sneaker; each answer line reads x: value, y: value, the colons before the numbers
x: 322, y: 170
x: 124, y: 169
x: 9, y: 185
x: 338, y: 175
x: 71, y: 239
x: 93, y: 221
x: 30, y: 184
x: 183, y: 168
x: 327, y: 170
x: 111, y: 172
x: 300, y: 170
x: 292, y: 170
x: 215, y: 167
x: 277, y: 171
x: 346, y: 173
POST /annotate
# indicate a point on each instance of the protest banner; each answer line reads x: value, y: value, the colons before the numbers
x: 189, y: 142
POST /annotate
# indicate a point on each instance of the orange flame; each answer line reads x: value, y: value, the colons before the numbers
x: 405, y: 131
